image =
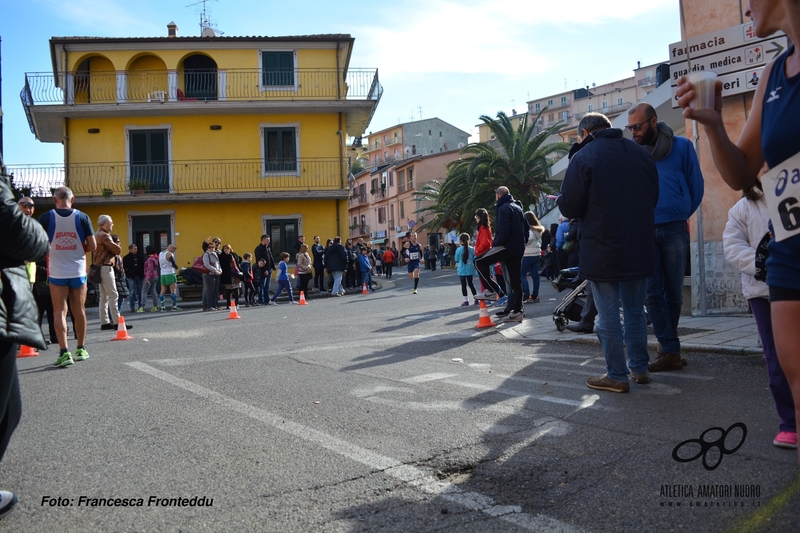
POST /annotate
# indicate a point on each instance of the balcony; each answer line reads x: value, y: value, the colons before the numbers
x: 123, y: 182
x: 393, y: 141
x: 646, y: 82
x: 354, y: 201
x: 359, y: 230
x: 611, y: 110
x: 48, y: 98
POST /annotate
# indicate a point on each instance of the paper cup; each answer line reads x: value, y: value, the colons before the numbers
x: 704, y: 83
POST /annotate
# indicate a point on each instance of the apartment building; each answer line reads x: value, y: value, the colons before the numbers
x: 411, y: 139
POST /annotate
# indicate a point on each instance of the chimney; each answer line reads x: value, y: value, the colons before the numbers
x: 172, y: 30
x: 638, y: 64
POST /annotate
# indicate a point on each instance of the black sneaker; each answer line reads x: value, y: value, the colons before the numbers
x: 108, y: 326
x: 504, y: 312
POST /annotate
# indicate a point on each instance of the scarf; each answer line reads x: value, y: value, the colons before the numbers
x: 663, y: 145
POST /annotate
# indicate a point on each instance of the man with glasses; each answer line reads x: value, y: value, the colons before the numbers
x: 681, y: 191
x: 611, y: 187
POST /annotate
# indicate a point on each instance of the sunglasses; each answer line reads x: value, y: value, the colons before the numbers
x: 26, y: 204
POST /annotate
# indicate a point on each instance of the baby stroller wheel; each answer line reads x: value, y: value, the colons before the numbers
x: 561, y: 323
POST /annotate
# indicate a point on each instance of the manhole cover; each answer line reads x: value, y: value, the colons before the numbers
x: 423, y: 317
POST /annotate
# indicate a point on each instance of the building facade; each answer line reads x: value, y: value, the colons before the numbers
x: 182, y: 138
x: 412, y: 139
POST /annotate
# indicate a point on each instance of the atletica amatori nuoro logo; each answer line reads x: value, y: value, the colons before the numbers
x: 685, y: 451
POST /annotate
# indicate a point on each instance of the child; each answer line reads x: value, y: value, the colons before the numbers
x: 249, y: 288
x: 744, y: 242
x: 365, y: 265
x: 549, y: 259
x: 465, y: 261
x: 283, y: 280
x: 150, y: 279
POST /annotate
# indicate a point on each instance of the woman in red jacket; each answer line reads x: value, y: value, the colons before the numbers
x: 483, y: 240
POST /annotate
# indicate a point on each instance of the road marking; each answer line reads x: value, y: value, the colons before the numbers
x: 414, y: 476
x: 586, y: 402
x: 428, y: 377
x: 538, y: 359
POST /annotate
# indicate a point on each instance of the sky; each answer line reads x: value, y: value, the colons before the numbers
x: 435, y: 58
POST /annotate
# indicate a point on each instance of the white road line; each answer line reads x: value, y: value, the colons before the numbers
x: 587, y: 401
x: 428, y: 377
x: 681, y: 374
x: 414, y: 476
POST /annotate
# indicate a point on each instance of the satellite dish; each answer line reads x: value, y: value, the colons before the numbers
x: 460, y: 145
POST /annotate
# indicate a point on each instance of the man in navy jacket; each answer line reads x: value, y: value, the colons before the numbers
x: 611, y: 186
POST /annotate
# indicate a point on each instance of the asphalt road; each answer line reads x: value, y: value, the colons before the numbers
x: 384, y: 412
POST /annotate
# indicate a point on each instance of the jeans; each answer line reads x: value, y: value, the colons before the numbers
x: 513, y: 265
x: 366, y: 279
x: 151, y: 286
x: 134, y: 291
x: 665, y: 289
x: 263, y: 287
x: 337, y: 282
x: 530, y: 265
x: 607, y: 297
x: 210, y: 298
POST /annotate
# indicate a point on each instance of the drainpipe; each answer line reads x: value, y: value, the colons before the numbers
x: 342, y: 175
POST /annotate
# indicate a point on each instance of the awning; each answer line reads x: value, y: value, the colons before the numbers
x: 377, y: 241
x: 401, y: 234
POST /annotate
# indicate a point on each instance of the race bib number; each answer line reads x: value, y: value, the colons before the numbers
x: 413, y: 256
x: 782, y: 192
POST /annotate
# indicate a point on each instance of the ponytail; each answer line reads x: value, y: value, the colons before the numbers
x: 464, y: 238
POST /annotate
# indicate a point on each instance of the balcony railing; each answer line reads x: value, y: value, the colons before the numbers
x: 181, y: 177
x: 159, y: 86
x: 646, y: 82
x: 610, y: 110
x: 357, y: 200
x: 358, y: 231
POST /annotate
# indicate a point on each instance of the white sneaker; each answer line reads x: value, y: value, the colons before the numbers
x: 7, y: 501
x: 514, y: 317
x: 270, y: 302
x: 487, y: 295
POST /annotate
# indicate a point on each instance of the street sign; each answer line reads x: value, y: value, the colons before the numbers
x: 735, y: 54
x: 411, y: 224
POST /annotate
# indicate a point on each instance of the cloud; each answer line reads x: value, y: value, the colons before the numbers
x: 498, y: 36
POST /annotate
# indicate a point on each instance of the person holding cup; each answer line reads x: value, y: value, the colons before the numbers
x: 767, y: 137
x: 680, y: 186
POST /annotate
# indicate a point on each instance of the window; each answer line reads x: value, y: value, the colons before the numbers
x: 149, y: 159
x: 590, y: 108
x: 440, y: 134
x: 410, y: 182
x: 563, y: 100
x: 429, y: 133
x: 391, y: 174
x: 538, y: 107
x: 280, y: 149
x: 374, y: 186
x: 385, y: 138
x: 376, y: 143
x: 401, y: 182
x: 385, y: 156
x: 549, y: 103
x: 413, y: 149
x: 402, y: 210
x: 362, y: 193
x: 382, y: 215
x: 277, y: 69
x: 619, y: 101
x: 605, y: 104
x: 564, y: 115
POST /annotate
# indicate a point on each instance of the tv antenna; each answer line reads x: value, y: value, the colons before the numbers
x: 207, y: 29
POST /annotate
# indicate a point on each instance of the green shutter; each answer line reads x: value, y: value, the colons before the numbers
x: 277, y: 69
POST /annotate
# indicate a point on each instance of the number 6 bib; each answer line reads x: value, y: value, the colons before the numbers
x: 782, y: 192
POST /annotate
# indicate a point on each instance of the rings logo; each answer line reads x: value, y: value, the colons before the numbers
x: 717, y: 447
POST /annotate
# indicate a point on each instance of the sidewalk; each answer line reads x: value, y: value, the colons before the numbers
x: 730, y: 334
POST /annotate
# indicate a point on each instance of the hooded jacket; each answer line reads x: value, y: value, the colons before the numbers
x: 24, y: 239
x: 511, y: 230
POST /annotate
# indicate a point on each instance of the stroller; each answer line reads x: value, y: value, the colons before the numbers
x: 572, y: 304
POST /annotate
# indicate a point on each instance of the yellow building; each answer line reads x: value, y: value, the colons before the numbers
x: 182, y: 138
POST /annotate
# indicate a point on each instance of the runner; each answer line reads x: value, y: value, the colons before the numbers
x: 169, y: 268
x: 413, y: 254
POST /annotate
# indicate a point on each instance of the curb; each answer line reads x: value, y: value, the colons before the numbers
x: 689, y: 347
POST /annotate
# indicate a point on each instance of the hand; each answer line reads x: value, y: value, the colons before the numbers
x: 685, y: 94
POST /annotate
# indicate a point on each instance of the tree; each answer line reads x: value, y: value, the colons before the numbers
x: 521, y: 161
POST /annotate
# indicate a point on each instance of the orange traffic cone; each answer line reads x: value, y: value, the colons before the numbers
x: 302, y: 299
x: 27, y: 351
x: 122, y: 331
x: 234, y: 315
x: 484, y: 321
x: 364, y: 289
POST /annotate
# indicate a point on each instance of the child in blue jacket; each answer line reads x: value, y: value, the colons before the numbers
x: 283, y: 280
x: 465, y: 265
x: 365, y: 266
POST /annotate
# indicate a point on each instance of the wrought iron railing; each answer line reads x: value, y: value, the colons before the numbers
x: 359, y: 230
x: 181, y: 177
x: 157, y: 86
x: 608, y: 110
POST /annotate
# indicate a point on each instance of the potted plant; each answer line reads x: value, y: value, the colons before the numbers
x: 138, y: 186
x: 353, y: 226
x: 107, y: 192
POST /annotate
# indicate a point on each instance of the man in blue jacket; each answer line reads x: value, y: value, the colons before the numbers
x: 511, y: 234
x: 681, y: 191
x: 611, y: 186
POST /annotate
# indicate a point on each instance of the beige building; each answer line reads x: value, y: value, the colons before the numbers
x: 382, y: 207
x: 411, y: 139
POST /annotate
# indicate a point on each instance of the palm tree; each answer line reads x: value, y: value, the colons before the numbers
x: 521, y: 162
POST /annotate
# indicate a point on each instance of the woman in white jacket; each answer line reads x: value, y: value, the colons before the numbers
x: 530, y: 260
x: 747, y: 227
